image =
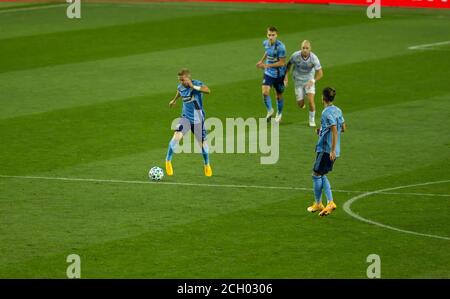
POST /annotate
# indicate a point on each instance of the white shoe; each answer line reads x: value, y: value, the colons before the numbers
x: 269, y: 115
x: 312, y: 123
x: 278, y: 117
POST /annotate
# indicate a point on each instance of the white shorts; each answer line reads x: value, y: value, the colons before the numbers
x: 301, y: 91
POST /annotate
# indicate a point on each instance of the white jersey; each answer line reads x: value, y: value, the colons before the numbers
x: 304, y: 69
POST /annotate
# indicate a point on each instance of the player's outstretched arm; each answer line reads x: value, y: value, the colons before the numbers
x: 174, y: 100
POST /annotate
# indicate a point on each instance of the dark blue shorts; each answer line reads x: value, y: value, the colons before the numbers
x: 323, y: 164
x: 198, y: 129
x: 277, y: 83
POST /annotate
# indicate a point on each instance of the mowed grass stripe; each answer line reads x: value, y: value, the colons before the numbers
x: 95, y: 220
x: 91, y: 44
x: 46, y: 20
x: 73, y: 204
x: 64, y: 86
x: 225, y: 245
x: 70, y: 136
x: 107, y: 14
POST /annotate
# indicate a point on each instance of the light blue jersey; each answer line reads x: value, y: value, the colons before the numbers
x: 192, y: 103
x: 274, y: 53
x: 304, y: 69
x: 331, y: 116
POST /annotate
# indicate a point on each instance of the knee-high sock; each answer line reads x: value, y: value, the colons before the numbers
x: 205, y: 154
x: 327, y: 188
x: 317, y: 184
x: 268, y: 103
x: 172, y: 144
x: 280, y: 105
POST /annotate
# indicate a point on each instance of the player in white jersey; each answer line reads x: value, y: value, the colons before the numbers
x: 306, y: 72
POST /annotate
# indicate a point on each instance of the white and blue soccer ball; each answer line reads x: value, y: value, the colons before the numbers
x: 156, y: 173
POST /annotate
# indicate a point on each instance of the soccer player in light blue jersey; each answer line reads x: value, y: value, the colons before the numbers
x: 192, y: 118
x: 328, y: 150
x: 306, y: 72
x: 274, y: 64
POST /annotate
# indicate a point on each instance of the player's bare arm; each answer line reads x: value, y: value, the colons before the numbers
x: 334, y: 137
x: 344, y: 127
x: 286, y: 76
x: 203, y: 88
x: 317, y: 77
x: 174, y: 100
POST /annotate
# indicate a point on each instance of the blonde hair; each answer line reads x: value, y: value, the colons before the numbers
x: 306, y: 42
x: 184, y: 71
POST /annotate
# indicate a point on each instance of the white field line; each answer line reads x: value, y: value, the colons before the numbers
x: 348, y: 203
x: 424, y: 46
x: 19, y: 9
x: 206, y: 185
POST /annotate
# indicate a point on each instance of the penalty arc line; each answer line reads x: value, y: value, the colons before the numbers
x: 424, y: 46
x: 206, y: 185
x: 348, y: 210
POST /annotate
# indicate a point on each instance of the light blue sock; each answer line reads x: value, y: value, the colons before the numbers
x: 317, y: 184
x: 327, y: 188
x: 268, y: 103
x: 280, y: 104
x: 205, y: 154
x: 172, y: 145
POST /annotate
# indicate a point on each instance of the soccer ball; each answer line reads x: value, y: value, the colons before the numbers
x: 156, y: 173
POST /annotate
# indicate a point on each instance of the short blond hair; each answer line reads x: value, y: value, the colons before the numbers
x: 184, y: 71
x: 306, y: 42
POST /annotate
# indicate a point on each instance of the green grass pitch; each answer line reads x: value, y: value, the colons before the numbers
x: 88, y: 99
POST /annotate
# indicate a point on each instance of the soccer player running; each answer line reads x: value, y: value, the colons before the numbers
x: 274, y: 64
x: 192, y: 118
x: 327, y: 149
x: 306, y: 72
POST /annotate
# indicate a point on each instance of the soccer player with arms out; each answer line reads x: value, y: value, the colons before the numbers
x: 192, y: 118
x: 306, y: 72
x: 327, y: 149
x: 274, y: 64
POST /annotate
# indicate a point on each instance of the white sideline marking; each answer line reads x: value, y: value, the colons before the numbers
x: 349, y: 202
x: 424, y: 46
x: 207, y: 185
x: 163, y: 183
x: 31, y: 8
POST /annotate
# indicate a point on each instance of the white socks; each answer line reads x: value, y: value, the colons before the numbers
x: 312, y: 116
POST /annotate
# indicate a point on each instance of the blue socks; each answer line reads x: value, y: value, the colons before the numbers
x: 317, y: 184
x: 172, y: 145
x: 205, y: 154
x: 327, y: 188
x: 280, y: 104
x: 268, y: 103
